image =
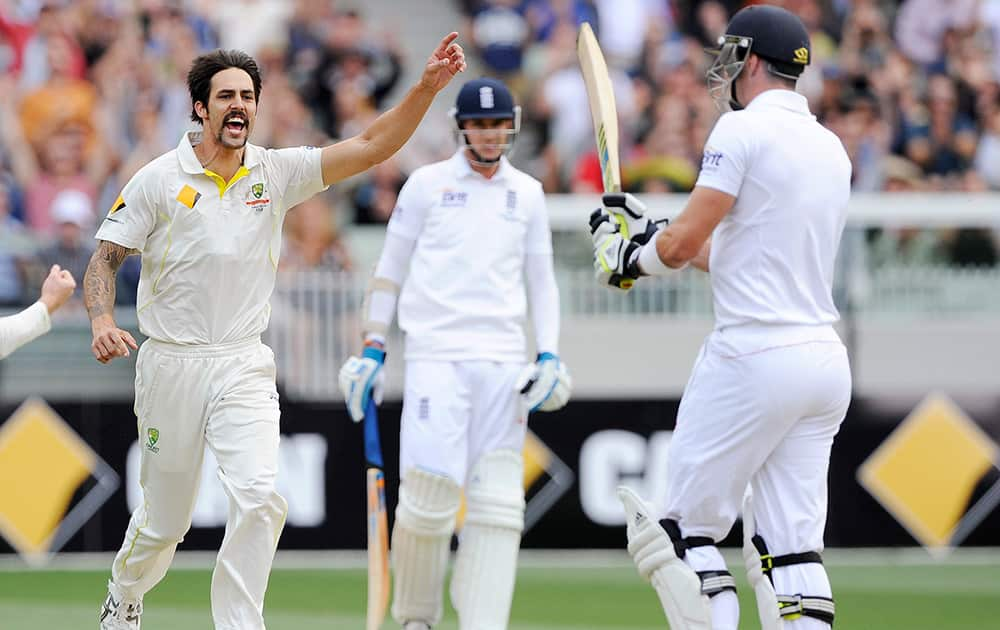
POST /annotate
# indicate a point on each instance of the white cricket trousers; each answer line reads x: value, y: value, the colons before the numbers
x: 455, y: 412
x: 762, y: 407
x: 223, y: 396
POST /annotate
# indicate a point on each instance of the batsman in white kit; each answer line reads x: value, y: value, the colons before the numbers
x: 771, y: 383
x: 468, y: 245
x: 207, y: 218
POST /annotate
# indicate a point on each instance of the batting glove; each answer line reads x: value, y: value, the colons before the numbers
x: 615, y: 257
x: 362, y: 378
x: 628, y: 212
x: 544, y: 385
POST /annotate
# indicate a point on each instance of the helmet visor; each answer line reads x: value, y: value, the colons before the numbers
x: 729, y: 59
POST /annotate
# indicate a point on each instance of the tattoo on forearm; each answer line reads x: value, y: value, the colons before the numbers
x: 99, y: 281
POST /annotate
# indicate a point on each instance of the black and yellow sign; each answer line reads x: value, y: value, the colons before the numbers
x: 936, y: 473
x: 47, y: 481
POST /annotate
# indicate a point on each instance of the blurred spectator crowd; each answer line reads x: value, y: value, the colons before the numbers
x: 91, y: 90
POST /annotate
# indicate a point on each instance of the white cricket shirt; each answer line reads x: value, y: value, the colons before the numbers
x: 772, y: 256
x: 464, y: 297
x: 209, y: 248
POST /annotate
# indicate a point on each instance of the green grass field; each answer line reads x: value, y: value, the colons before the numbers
x: 870, y: 595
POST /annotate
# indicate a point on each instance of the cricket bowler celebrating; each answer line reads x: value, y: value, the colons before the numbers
x: 771, y: 384
x: 206, y: 218
x: 473, y: 234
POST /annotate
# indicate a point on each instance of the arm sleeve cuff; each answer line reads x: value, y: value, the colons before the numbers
x: 650, y: 263
x: 29, y: 324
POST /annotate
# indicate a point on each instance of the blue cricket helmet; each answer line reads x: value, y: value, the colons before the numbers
x: 484, y: 98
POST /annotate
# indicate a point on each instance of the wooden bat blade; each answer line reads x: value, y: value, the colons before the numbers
x: 604, y: 115
x: 603, y: 111
x: 378, y: 550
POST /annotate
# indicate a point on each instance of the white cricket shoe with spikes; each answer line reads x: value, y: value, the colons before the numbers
x: 119, y: 612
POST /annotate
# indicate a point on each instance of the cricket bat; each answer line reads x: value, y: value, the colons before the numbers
x: 378, y: 526
x: 604, y: 114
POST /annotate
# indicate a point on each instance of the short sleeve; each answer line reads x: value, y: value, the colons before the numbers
x: 298, y: 172
x: 412, y: 204
x: 726, y: 159
x: 539, y: 236
x: 132, y: 216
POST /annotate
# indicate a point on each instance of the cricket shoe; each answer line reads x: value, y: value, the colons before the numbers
x: 416, y: 625
x: 118, y: 612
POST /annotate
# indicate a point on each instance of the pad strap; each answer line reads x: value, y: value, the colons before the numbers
x: 715, y: 582
x: 795, y: 606
x: 712, y: 582
x: 681, y: 544
x: 769, y: 562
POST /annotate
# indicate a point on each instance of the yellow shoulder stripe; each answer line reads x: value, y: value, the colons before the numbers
x: 117, y: 205
x: 188, y: 196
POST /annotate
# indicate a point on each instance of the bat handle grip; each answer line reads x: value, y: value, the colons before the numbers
x: 373, y: 445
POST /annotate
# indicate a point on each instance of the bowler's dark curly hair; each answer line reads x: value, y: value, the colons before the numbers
x: 208, y: 65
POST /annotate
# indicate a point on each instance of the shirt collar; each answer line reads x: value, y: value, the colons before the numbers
x: 462, y: 168
x: 190, y: 163
x: 781, y: 99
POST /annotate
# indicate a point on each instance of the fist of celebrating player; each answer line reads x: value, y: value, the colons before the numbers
x: 57, y: 288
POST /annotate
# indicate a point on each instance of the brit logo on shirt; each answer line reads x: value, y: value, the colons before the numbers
x: 454, y: 199
x: 711, y: 158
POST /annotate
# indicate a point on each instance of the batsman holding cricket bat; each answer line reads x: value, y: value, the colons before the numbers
x: 772, y: 382
x: 467, y: 248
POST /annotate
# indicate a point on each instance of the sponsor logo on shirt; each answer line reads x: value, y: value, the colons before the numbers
x: 152, y: 437
x: 711, y: 158
x: 454, y: 199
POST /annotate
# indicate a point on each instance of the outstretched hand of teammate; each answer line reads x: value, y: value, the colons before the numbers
x: 447, y: 60
x: 545, y: 385
x: 362, y: 378
x: 110, y: 341
x: 57, y: 288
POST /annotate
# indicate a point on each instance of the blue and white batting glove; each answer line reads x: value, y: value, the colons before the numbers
x: 544, y: 385
x: 362, y: 378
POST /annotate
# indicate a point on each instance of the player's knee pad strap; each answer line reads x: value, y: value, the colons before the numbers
x: 495, y: 491
x: 798, y: 605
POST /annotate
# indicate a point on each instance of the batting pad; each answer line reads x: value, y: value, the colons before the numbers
x: 482, y: 587
x: 421, y: 540
x: 676, y: 584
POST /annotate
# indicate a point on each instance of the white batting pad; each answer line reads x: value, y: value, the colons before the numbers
x: 482, y: 587
x: 676, y: 584
x: 421, y: 540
